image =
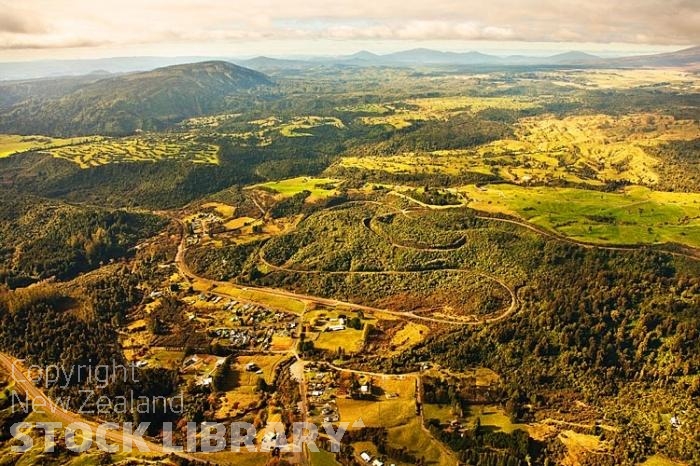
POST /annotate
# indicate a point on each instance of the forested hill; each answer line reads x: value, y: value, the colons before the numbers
x: 139, y: 101
x: 44, y: 238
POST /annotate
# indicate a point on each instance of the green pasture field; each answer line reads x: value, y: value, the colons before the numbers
x: 636, y: 216
x: 317, y: 186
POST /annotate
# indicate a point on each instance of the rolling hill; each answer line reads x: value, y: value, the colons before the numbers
x: 140, y: 101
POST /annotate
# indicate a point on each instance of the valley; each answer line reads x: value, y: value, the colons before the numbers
x: 463, y: 267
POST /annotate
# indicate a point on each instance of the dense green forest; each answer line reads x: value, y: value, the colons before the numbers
x: 42, y: 238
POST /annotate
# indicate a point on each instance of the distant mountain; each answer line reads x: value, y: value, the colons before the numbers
x: 56, y: 68
x: 363, y: 55
x: 267, y: 64
x: 687, y: 58
x: 126, y: 103
x: 407, y: 58
x: 434, y: 57
x: 14, y: 92
x: 423, y: 56
x: 573, y: 57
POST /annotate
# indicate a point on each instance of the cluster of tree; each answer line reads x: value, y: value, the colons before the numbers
x: 220, y: 379
x: 40, y: 329
x: 438, y: 230
x: 434, y: 196
x: 222, y: 263
x: 358, y: 176
x: 680, y: 167
x: 290, y: 206
x: 482, y: 446
x: 458, y: 132
x: 441, y: 392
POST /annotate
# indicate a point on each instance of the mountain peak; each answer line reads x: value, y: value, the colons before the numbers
x: 150, y: 100
x: 575, y: 54
x: 363, y: 54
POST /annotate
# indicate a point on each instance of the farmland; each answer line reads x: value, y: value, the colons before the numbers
x: 332, y: 331
x: 635, y: 216
x: 412, y: 110
x: 319, y: 188
x: 589, y: 150
x: 299, y: 127
x: 148, y: 148
x: 260, y: 132
x: 13, y: 144
x: 679, y: 80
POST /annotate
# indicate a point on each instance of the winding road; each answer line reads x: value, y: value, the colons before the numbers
x: 183, y: 267
x: 694, y: 255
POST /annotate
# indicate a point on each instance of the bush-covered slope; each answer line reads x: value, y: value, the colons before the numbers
x: 41, y: 238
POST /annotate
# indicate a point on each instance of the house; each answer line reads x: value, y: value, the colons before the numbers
x: 377, y: 463
x: 191, y: 360
x: 336, y: 328
x: 365, y: 457
x: 364, y: 389
x: 251, y: 367
x: 205, y: 382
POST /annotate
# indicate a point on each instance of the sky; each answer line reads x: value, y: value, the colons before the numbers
x: 43, y: 29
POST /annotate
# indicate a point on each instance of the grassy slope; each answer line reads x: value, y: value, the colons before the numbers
x: 636, y: 216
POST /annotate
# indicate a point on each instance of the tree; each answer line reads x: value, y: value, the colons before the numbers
x: 261, y: 386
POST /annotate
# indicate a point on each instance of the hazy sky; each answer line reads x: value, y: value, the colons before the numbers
x: 32, y: 29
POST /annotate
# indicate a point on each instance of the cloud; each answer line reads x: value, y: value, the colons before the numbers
x: 13, y: 25
x: 85, y: 23
x: 14, y: 44
x: 16, y: 21
x: 416, y: 30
